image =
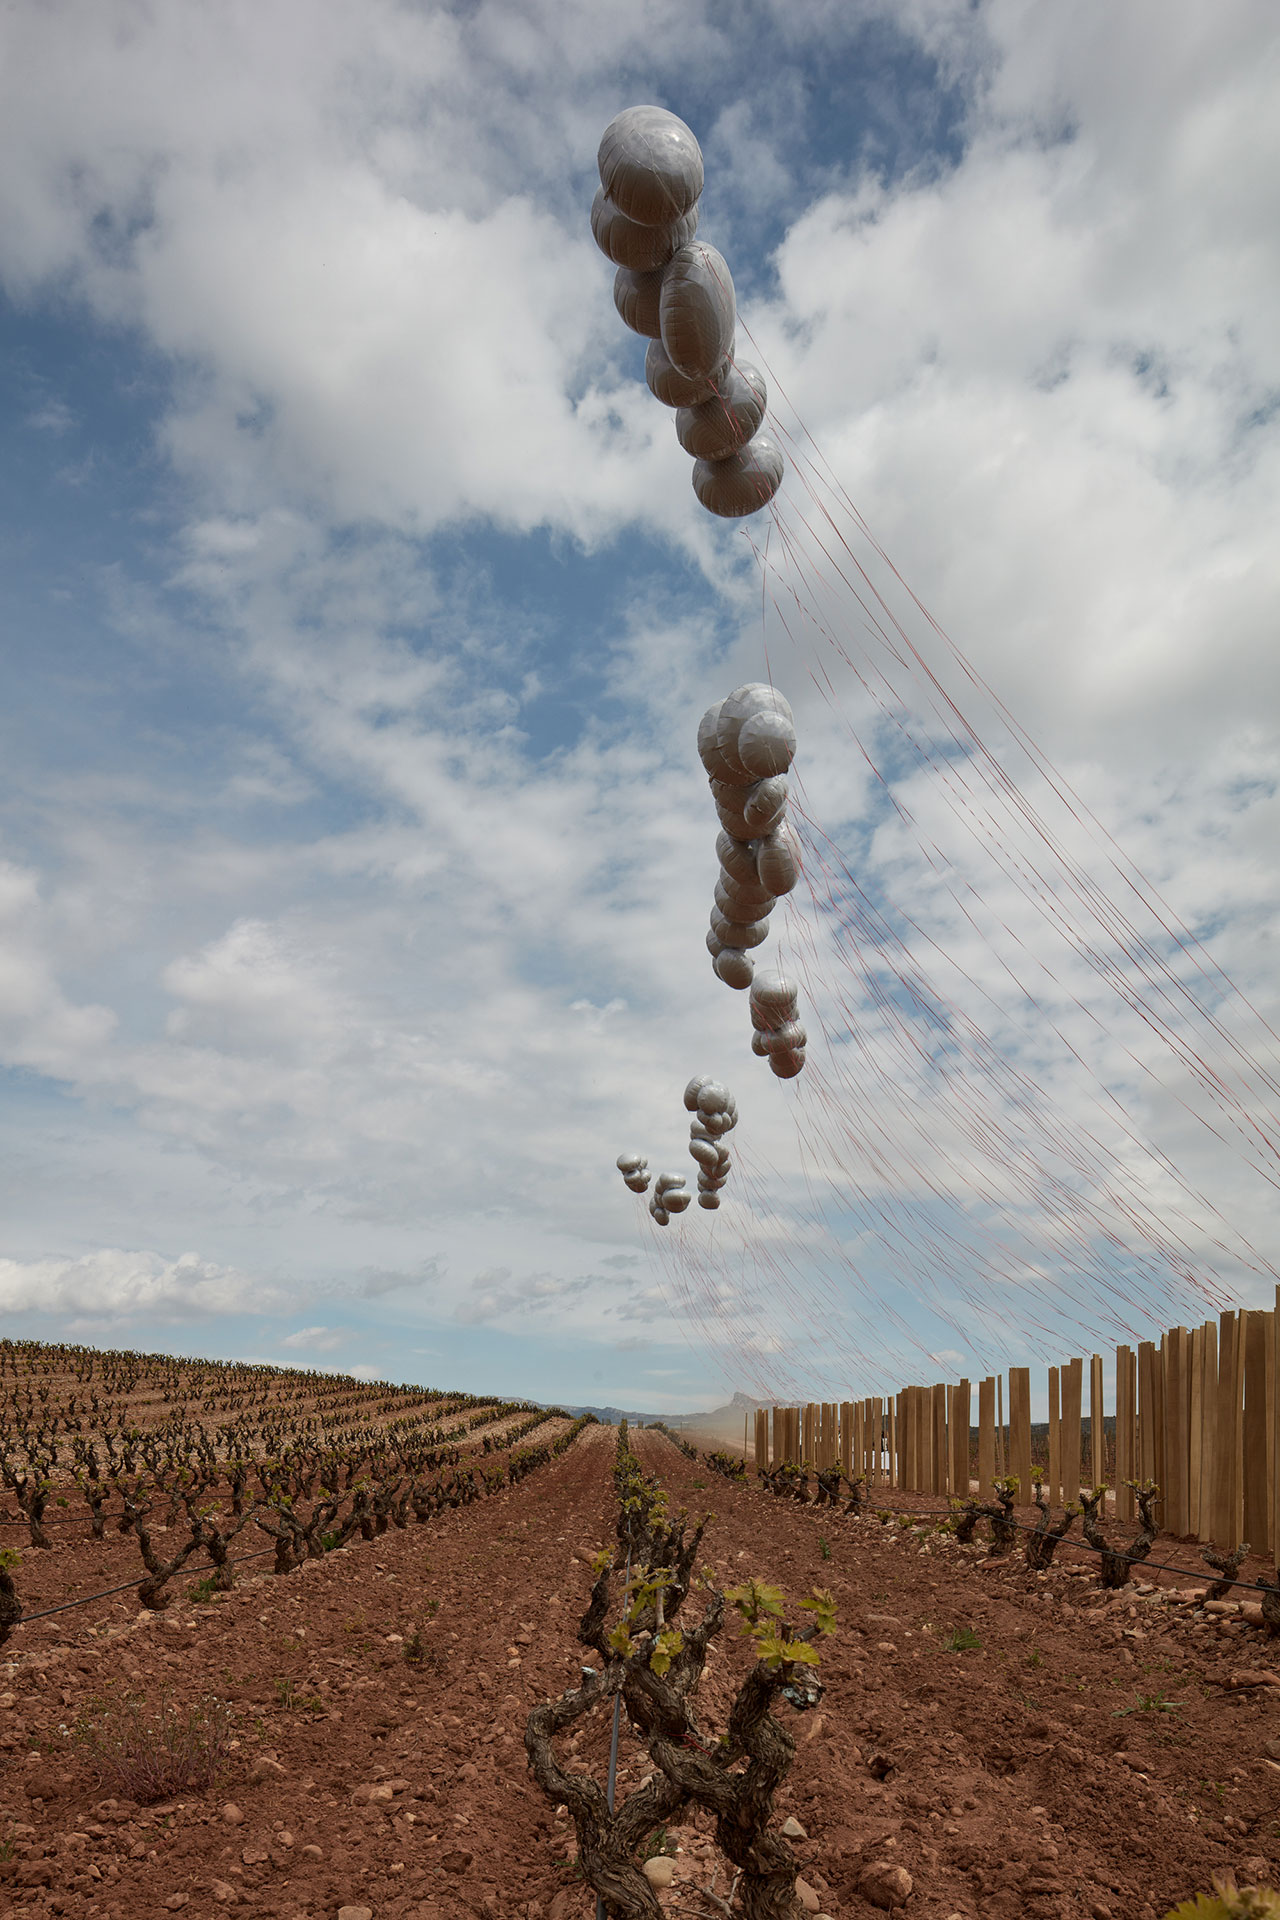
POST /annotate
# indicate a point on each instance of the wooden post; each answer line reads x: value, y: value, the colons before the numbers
x: 961, y: 1421
x: 1126, y: 1430
x: 807, y: 1436
x: 1175, y: 1510
x: 1002, y: 1448
x: 762, y: 1437
x: 1273, y: 1376
x: 1162, y: 1393
x: 938, y: 1463
x: 895, y: 1428
x: 1053, y: 1492
x: 1255, y: 1516
x: 1226, y: 1464
x: 846, y: 1438
x: 1072, y: 1389
x: 1195, y: 1430
x: 1146, y: 1411
x: 1209, y: 1433
x: 1097, y: 1423
x: 986, y: 1436
x: 1020, y: 1430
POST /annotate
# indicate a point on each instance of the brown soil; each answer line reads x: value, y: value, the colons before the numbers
x: 1090, y: 1758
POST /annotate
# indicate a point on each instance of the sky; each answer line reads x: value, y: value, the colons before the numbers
x: 356, y: 617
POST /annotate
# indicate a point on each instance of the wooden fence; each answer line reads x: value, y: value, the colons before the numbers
x: 1198, y: 1413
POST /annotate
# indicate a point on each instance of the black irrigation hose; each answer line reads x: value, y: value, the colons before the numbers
x: 24, y: 1620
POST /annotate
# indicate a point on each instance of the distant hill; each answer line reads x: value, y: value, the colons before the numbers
x: 718, y: 1422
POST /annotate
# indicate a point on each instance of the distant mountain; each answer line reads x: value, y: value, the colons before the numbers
x: 713, y: 1420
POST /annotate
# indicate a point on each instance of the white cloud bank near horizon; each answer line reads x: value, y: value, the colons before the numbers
x: 1042, y: 354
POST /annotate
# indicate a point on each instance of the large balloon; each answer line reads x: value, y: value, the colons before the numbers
x: 628, y: 244
x: 697, y: 310
x: 650, y: 165
x: 723, y: 425
x: 635, y: 295
x: 743, y: 483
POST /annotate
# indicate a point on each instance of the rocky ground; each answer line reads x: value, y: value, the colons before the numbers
x: 1002, y: 1743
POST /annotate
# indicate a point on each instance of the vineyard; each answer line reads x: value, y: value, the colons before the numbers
x: 307, y: 1647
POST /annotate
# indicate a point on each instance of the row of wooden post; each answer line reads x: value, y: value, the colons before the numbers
x: 1198, y: 1412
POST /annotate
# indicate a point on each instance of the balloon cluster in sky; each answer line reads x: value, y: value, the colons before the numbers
x: 678, y: 292
x: 746, y: 743
x: 715, y: 1113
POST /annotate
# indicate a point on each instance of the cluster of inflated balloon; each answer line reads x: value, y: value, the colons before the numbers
x: 715, y: 1113
x: 776, y: 1033
x: 746, y: 743
x: 678, y: 293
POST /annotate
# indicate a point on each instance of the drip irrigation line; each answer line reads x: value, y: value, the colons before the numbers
x: 25, y: 1619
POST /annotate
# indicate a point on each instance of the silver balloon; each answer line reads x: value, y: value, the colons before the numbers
x: 697, y: 310
x: 642, y: 249
x: 635, y: 295
x: 650, y: 164
x: 742, y: 484
x: 676, y: 389
x: 767, y: 743
x: 734, y: 968
x: 723, y: 425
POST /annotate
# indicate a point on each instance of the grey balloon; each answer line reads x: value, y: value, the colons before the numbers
x: 697, y: 309
x: 737, y: 862
x: 766, y: 804
x: 635, y: 295
x: 787, y: 1065
x: 704, y: 1153
x: 734, y: 968
x: 722, y: 426
x: 713, y: 1097
x: 638, y: 1182
x: 650, y: 164
x: 774, y: 998
x: 736, y: 933
x: 676, y: 389
x: 714, y: 947
x: 776, y: 861
x: 743, y: 704
x: 757, y: 900
x: 717, y: 767
x: 767, y: 743
x: 790, y: 1037
x: 709, y: 1200
x: 742, y: 484
x: 675, y: 1200
x: 694, y: 1088
x: 628, y: 244
x: 733, y: 907
x: 630, y: 1162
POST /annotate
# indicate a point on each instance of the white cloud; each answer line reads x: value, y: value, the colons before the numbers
x: 316, y: 1339
x: 442, y: 1002
x: 116, y: 1286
